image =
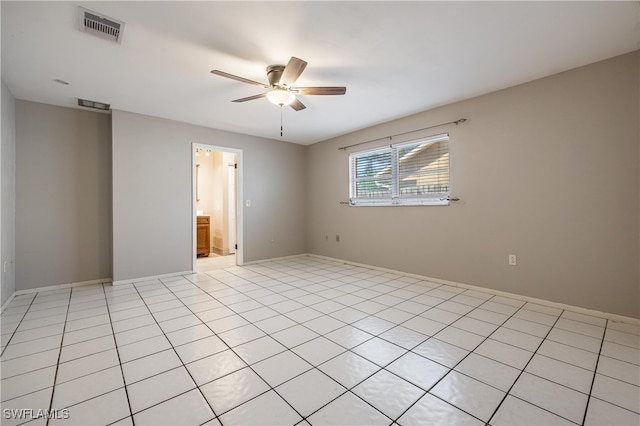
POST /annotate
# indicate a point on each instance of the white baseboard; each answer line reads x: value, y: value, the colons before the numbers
x: 5, y: 304
x: 150, y: 277
x: 60, y: 286
x: 576, y: 309
x: 293, y: 256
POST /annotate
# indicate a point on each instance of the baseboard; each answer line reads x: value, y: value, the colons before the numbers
x: 150, y: 277
x: 293, y: 256
x: 6, y: 303
x: 576, y: 309
x: 61, y: 286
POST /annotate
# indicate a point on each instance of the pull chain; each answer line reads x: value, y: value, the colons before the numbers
x: 280, y: 120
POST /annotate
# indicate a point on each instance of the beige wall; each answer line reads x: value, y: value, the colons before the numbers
x: 8, y: 203
x: 63, y: 195
x: 152, y: 207
x: 547, y: 170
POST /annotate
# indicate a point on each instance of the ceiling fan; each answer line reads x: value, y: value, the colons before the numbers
x: 281, y: 90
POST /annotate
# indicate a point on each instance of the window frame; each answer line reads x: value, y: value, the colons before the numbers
x: 396, y: 199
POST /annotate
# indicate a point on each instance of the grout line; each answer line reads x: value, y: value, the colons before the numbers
x: 55, y: 376
x: 595, y: 372
x: 115, y: 343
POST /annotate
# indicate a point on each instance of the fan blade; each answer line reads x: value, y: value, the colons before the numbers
x: 292, y: 71
x: 250, y: 98
x: 297, y: 105
x: 235, y: 77
x: 320, y: 90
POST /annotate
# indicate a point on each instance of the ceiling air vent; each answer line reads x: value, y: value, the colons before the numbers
x: 100, y: 25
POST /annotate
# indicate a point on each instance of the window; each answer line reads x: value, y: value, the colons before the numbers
x: 411, y: 173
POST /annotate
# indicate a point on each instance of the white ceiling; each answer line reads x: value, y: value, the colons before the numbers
x: 396, y: 58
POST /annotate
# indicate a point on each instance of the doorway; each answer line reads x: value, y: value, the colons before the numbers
x: 217, y: 208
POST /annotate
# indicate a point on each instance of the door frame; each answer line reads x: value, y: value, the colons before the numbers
x: 239, y: 198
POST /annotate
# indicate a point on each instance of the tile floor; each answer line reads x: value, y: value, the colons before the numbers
x: 309, y: 341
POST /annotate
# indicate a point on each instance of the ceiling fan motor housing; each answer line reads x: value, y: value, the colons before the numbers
x: 274, y: 73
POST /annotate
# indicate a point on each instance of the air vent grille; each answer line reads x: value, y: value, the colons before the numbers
x: 100, y: 25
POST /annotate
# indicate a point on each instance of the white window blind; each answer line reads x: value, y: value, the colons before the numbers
x: 411, y: 173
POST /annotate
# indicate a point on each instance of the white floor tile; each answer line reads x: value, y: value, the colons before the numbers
x: 151, y: 365
x: 78, y: 336
x: 432, y: 411
x: 560, y: 372
x: 34, y: 401
x: 489, y: 371
x: 379, y: 351
x: 622, y: 338
x: 266, y: 409
x: 324, y: 324
x: 441, y: 352
x: 159, y: 388
x: 232, y: 390
x: 348, y: 336
x: 188, y: 335
x: 86, y: 348
x: 516, y: 412
x: 349, y: 369
x: 553, y: 397
x: 137, y: 334
x: 87, y: 365
x: 103, y: 409
x: 294, y: 336
x: 280, y: 368
x: 418, y: 370
x: 603, y: 413
x: 318, y: 350
x: 86, y: 387
x: 23, y: 384
x: 620, y: 393
x: 470, y: 395
x: 275, y: 324
x: 310, y: 391
x: 25, y: 364
x: 576, y: 340
x: 506, y: 354
x: 461, y: 338
x: 348, y: 409
x: 388, y: 393
x: 259, y: 349
x: 404, y: 337
x: 620, y: 370
x: 241, y: 335
x: 580, y: 327
x: 190, y: 408
x: 621, y: 352
x: 394, y: 315
x: 143, y: 348
x: 198, y: 349
x: 569, y: 354
x: 31, y: 347
x: 215, y: 366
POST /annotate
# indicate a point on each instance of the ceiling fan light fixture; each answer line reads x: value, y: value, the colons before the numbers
x: 280, y: 97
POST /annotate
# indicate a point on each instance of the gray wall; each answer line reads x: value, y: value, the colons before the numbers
x: 547, y: 170
x: 8, y: 182
x: 63, y: 195
x: 152, y: 205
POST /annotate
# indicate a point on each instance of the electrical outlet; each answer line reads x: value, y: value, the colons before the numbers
x: 512, y: 260
x: 248, y: 203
